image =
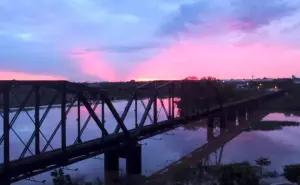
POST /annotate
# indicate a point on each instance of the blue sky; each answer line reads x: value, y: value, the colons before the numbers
x: 119, y: 40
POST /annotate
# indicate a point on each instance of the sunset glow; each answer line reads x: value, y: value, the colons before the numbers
x: 159, y: 40
x: 222, y: 60
x: 93, y: 64
x: 145, y: 79
x: 6, y: 75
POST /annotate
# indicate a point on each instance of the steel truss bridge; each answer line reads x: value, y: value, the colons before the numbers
x: 39, y: 155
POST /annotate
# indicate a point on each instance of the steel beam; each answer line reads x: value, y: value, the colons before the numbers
x: 164, y: 108
x: 173, y: 96
x: 144, y: 117
x: 63, y: 119
x: 93, y: 115
x: 37, y: 120
x: 20, y: 108
x: 49, y: 107
x: 169, y: 101
x: 78, y: 140
x: 102, y: 111
x: 57, y: 128
x: 155, y: 109
x: 114, y: 112
x: 149, y: 116
x: 6, y: 129
x: 78, y: 118
x: 135, y: 111
x: 124, y: 114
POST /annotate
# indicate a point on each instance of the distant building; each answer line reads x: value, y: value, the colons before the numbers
x: 96, y: 84
x: 263, y: 80
x: 296, y: 80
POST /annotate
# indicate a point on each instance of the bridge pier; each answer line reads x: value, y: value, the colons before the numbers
x: 251, y: 106
x: 133, y: 156
x: 231, y: 118
x: 255, y: 104
x: 210, y: 128
x: 231, y: 115
x: 111, y: 167
x: 134, y: 160
x: 223, y: 123
x: 111, y: 161
x: 242, y: 113
x: 210, y: 121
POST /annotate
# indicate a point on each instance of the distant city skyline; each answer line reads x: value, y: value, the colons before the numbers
x: 109, y: 40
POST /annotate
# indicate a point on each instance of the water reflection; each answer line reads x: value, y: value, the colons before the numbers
x: 295, y: 117
x: 280, y: 146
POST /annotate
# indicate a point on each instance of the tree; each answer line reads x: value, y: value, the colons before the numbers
x: 239, y: 173
x: 59, y: 178
x: 292, y: 172
x: 262, y: 161
x: 191, y: 78
x: 211, y: 78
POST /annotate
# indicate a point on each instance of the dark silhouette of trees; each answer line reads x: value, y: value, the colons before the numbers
x: 191, y: 78
x: 211, y: 78
x: 261, y: 162
x: 292, y: 173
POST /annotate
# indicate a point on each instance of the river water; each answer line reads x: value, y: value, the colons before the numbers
x: 280, y: 146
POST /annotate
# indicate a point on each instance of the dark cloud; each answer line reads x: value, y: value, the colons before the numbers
x: 259, y: 13
x: 188, y: 14
x: 253, y: 12
x: 129, y: 48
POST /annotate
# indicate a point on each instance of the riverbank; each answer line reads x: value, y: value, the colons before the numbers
x: 287, y: 103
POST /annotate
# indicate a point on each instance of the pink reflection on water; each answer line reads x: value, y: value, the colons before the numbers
x: 287, y: 135
x: 281, y: 117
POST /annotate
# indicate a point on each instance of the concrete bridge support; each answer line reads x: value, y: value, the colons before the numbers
x: 242, y: 115
x: 255, y: 104
x: 210, y: 128
x: 111, y: 167
x: 252, y: 106
x: 231, y: 115
x: 134, y: 160
x: 111, y: 161
x: 133, y: 156
x: 223, y: 123
x: 231, y: 118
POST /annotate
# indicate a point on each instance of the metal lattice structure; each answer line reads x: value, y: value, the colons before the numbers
x: 40, y: 97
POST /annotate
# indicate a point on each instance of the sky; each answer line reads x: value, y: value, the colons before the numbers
x: 113, y: 40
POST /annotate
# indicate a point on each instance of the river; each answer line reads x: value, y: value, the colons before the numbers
x: 161, y: 150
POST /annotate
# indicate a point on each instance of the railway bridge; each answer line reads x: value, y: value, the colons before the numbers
x: 40, y: 97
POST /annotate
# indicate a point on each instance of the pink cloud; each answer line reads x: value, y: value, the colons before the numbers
x: 220, y: 59
x: 9, y: 75
x: 92, y: 63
